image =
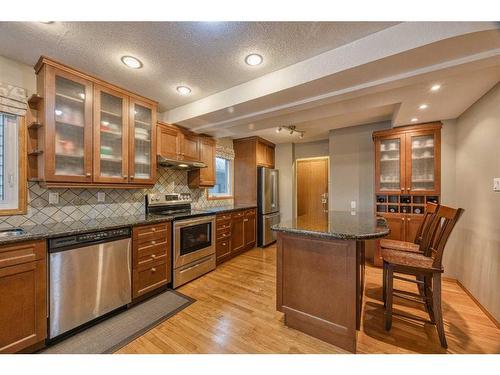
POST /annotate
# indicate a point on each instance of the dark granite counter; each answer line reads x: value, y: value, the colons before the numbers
x: 229, y: 208
x: 37, y: 232
x: 337, y: 225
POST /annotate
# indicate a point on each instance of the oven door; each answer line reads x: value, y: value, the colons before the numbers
x: 193, y: 239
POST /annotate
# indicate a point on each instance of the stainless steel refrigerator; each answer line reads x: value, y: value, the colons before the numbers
x: 268, y: 206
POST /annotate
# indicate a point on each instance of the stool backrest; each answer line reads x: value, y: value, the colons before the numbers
x: 440, y: 228
x: 430, y: 211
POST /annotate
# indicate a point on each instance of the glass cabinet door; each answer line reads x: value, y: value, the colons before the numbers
x: 422, y: 170
x: 71, y: 123
x: 390, y: 164
x: 110, y: 140
x: 142, y: 148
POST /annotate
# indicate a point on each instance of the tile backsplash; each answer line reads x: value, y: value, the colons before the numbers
x: 81, y: 204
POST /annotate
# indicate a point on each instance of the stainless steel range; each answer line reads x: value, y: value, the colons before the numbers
x: 193, y: 235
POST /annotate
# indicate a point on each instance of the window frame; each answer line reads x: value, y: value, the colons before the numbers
x: 230, y: 181
x: 21, y: 208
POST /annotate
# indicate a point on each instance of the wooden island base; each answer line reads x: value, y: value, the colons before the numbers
x: 320, y: 286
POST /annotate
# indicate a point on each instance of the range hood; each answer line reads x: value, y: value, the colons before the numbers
x: 177, y: 164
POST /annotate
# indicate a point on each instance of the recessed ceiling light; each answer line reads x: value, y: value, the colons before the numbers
x: 414, y: 119
x: 423, y: 106
x: 435, y: 87
x: 183, y: 90
x: 254, y: 59
x: 131, y: 62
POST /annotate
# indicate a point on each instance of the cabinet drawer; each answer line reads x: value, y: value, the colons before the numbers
x: 223, y: 225
x: 157, y: 250
x: 150, y: 232
x: 238, y: 214
x: 223, y: 246
x: 25, y: 252
x: 222, y: 235
x: 150, y: 277
x: 222, y: 217
x: 152, y: 259
x: 251, y: 212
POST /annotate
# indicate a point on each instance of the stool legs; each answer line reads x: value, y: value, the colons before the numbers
x: 428, y: 297
x: 436, y: 307
x: 388, y: 299
x: 384, y: 283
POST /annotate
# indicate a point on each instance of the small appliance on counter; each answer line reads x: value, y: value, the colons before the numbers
x: 268, y: 206
x: 193, y: 235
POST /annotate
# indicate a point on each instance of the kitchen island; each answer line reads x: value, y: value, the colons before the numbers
x: 320, y: 273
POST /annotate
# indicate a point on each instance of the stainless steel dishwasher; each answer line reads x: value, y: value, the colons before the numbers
x: 89, y: 276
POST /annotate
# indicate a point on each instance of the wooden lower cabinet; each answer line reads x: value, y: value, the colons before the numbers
x: 151, y: 258
x: 23, y: 296
x: 235, y: 233
x: 403, y: 228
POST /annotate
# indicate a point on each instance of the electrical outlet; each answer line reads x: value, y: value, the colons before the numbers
x: 101, y: 196
x: 496, y: 184
x: 353, y: 205
x: 53, y: 198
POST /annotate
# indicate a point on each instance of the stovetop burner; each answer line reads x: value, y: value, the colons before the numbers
x: 176, y: 205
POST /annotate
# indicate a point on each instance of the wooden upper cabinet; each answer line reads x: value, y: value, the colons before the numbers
x: 67, y: 118
x: 111, y: 135
x: 90, y: 132
x: 142, y: 159
x: 408, y: 160
x: 204, y: 177
x: 190, y: 147
x: 168, y: 141
x: 264, y: 153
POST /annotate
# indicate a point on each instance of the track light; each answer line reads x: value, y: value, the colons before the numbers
x: 278, y: 130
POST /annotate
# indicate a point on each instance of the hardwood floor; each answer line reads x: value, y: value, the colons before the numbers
x: 235, y: 312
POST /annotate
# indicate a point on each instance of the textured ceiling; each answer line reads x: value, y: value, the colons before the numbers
x: 206, y: 56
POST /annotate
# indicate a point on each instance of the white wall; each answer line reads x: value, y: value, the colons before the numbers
x: 473, y: 254
x: 17, y: 74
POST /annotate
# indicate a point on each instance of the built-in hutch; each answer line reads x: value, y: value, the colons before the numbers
x: 407, y: 176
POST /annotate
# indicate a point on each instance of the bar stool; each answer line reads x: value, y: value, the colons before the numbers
x: 430, y: 210
x: 426, y: 266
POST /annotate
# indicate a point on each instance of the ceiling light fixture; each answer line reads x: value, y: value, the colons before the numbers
x: 435, y: 87
x: 414, y: 119
x: 278, y: 130
x: 291, y: 130
x: 183, y: 90
x: 131, y: 62
x: 254, y: 59
x: 423, y: 106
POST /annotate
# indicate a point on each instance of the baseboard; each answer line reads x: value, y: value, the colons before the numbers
x: 483, y: 309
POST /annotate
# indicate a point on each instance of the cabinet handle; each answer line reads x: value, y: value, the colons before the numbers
x: 153, y: 242
x: 153, y: 256
x: 153, y: 229
x: 88, y: 174
x: 408, y: 219
x: 125, y: 176
x: 402, y: 219
x: 153, y: 269
x: 245, y: 219
x: 131, y: 177
x: 408, y: 189
x: 402, y: 189
x: 223, y: 244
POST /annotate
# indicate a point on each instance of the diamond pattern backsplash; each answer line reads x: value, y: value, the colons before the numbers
x: 78, y: 204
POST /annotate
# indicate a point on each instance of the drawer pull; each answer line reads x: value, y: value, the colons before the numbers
x: 153, y: 229
x: 153, y: 256
x: 245, y: 219
x: 223, y: 244
x: 153, y: 242
x: 153, y: 269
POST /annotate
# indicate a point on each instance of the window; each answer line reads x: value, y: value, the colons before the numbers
x: 9, y: 162
x: 223, y: 179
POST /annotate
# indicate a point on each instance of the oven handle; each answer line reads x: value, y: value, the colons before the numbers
x: 180, y: 224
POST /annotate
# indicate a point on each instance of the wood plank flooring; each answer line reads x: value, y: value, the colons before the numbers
x: 235, y: 313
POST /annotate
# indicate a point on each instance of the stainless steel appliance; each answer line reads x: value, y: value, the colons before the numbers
x: 268, y: 206
x: 89, y: 276
x: 179, y: 164
x: 193, y: 235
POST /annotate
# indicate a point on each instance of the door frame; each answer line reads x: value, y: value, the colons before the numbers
x: 295, y: 206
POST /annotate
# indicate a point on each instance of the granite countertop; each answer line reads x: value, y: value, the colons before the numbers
x: 228, y: 208
x: 37, y: 232
x: 337, y: 225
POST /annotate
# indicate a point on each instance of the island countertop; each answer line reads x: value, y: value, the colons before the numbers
x: 337, y: 225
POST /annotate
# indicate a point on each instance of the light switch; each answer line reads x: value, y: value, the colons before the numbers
x: 353, y: 205
x: 496, y: 184
x: 53, y: 198
x: 101, y: 196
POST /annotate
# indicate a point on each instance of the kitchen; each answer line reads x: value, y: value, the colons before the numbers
x: 211, y: 223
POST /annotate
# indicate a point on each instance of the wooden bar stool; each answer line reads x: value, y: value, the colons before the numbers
x: 414, y: 247
x: 426, y: 266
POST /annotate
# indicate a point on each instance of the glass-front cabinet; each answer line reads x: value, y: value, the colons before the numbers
x: 110, y: 136
x: 68, y: 117
x: 142, y: 129
x: 390, y: 167
x: 422, y: 168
